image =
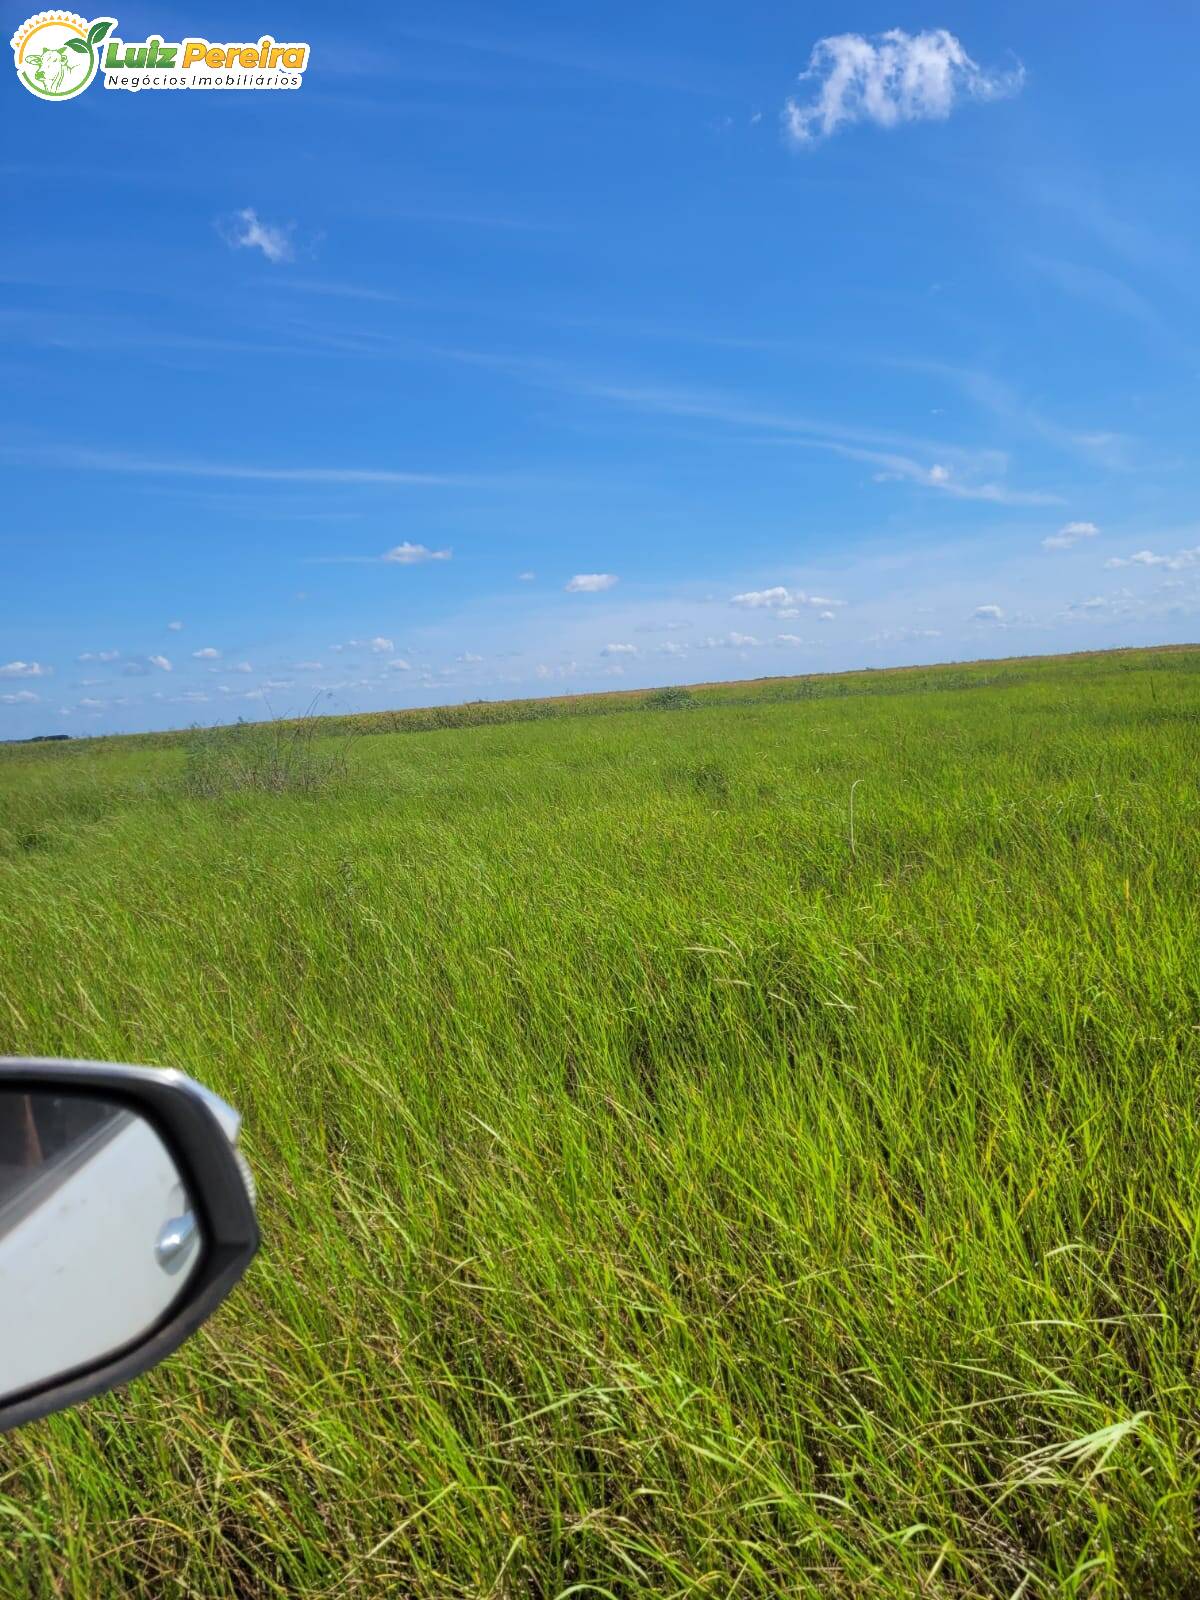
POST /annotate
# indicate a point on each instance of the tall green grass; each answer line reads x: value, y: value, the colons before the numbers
x: 666, y: 1191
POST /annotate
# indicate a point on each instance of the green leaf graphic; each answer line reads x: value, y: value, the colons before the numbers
x: 97, y: 31
x: 77, y: 44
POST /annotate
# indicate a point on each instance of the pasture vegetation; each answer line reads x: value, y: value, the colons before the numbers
x: 666, y: 1191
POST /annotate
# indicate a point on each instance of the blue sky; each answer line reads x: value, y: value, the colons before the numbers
x: 529, y: 348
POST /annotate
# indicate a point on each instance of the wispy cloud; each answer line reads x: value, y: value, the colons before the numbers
x: 590, y: 582
x: 24, y: 669
x: 961, y: 474
x: 1147, y: 558
x: 988, y: 614
x: 619, y: 650
x: 174, y: 627
x: 20, y: 697
x: 727, y: 641
x: 142, y: 666
x: 1070, y: 533
x: 88, y: 460
x: 407, y: 555
x: 246, y: 230
x: 782, y: 601
x: 893, y: 78
x: 1002, y: 400
x: 1081, y: 281
x: 207, y: 654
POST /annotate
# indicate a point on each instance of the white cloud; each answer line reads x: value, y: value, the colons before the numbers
x: 160, y: 662
x: 241, y: 666
x: 824, y: 616
x: 1070, y: 533
x: 304, y: 666
x: 407, y: 555
x: 21, y: 697
x: 619, y: 650
x: 895, y: 77
x: 98, y: 655
x: 247, y: 231
x: 784, y: 602
x: 398, y: 664
x: 175, y: 627
x: 468, y: 658
x: 590, y: 582
x: 727, y: 641
x: 788, y: 638
x: 888, y: 452
x: 382, y: 647
x: 670, y: 649
x: 207, y: 654
x: 88, y: 704
x: 988, y: 614
x: 1147, y: 558
x: 526, y: 577
x: 24, y: 669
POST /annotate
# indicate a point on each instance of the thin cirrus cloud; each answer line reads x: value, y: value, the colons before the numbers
x: 959, y: 473
x: 590, y: 582
x: 895, y: 77
x: 1069, y: 534
x: 84, y: 459
x: 246, y: 230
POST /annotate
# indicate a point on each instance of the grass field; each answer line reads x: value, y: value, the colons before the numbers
x: 744, y: 1148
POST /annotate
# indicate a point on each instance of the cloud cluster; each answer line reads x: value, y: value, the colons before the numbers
x: 785, y: 602
x: 24, y: 669
x: 893, y: 78
x: 1147, y: 558
x: 1070, y: 533
x: 590, y: 583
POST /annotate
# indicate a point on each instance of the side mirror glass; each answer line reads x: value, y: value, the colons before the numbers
x: 98, y: 1235
x: 126, y: 1217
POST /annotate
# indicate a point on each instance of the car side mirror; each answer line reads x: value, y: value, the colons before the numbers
x: 126, y: 1217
